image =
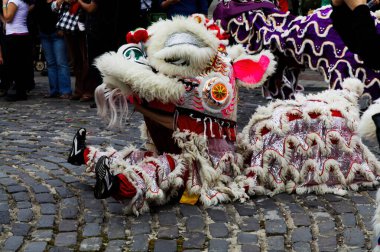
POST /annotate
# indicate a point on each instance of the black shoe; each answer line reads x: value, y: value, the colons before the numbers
x: 376, y: 120
x: 104, y: 179
x: 16, y: 97
x: 76, y: 156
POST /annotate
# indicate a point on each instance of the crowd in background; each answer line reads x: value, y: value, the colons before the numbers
x: 72, y: 34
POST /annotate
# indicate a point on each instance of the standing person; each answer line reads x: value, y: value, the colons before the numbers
x: 98, y: 19
x: 73, y: 31
x: 355, y: 25
x: 184, y: 7
x: 4, y: 84
x: 126, y: 18
x: 19, y: 50
x: 55, y: 50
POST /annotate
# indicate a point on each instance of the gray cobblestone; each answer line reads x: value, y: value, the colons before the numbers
x: 244, y: 210
x: 218, y: 230
x: 249, y: 225
x: 217, y: 215
x: 115, y: 208
x: 91, y: 229
x: 94, y: 216
x: 327, y: 243
x: 247, y: 238
x: 48, y: 209
x: 275, y: 227
x: 91, y: 244
x: 343, y: 207
x: 42, y: 235
x: 13, y: 243
x: 4, y: 206
x: 249, y: 248
x: 117, y: 246
x: 116, y: 229
x: 25, y: 215
x: 302, y: 234
x: 24, y: 204
x: 20, y: 229
x: 46, y: 221
x: 348, y: 220
x: 45, y: 198
x: 68, y: 225
x: 354, y: 237
x: 40, y: 189
x: 218, y: 245
x: 16, y: 189
x: 189, y: 210
x: 326, y: 228
x: 165, y: 246
x: 168, y: 232
x: 21, y: 196
x: 301, y: 219
x: 302, y: 247
x: 195, y: 240
x: 36, y: 247
x: 167, y: 218
x: 8, y: 181
x: 276, y: 243
x: 4, y: 217
x: 195, y: 224
x: 140, y: 228
x: 140, y: 243
x: 66, y: 239
x: 64, y: 192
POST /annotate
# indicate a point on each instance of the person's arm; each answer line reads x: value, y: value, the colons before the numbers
x: 341, y: 17
x: 364, y: 28
x: 56, y: 4
x: 88, y: 7
x: 9, y: 11
x: 166, y: 3
x: 164, y: 120
x: 352, y: 4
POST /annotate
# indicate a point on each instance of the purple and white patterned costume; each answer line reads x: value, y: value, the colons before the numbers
x: 303, y: 41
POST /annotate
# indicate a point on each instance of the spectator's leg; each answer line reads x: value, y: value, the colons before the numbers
x: 48, y: 47
x: 62, y: 65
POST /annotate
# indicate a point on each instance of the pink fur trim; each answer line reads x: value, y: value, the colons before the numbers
x: 249, y: 71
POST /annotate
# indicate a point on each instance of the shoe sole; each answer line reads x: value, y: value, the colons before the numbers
x: 100, y: 190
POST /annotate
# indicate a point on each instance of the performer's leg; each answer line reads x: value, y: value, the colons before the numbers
x: 108, y: 184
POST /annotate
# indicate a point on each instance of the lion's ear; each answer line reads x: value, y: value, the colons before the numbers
x: 253, y: 70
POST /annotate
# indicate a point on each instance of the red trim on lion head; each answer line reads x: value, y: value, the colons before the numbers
x: 137, y: 36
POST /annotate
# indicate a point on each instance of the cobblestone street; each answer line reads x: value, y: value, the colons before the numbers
x: 47, y: 204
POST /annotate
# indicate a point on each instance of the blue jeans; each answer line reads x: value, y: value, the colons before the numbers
x: 57, y: 63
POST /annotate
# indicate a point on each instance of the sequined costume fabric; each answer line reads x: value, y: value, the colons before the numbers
x: 303, y: 41
x: 309, y: 144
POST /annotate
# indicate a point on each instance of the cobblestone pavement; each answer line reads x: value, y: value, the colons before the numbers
x: 47, y: 204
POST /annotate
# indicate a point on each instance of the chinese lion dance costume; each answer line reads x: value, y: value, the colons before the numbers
x: 184, y: 79
x: 298, y: 42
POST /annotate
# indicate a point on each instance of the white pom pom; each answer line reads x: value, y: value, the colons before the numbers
x: 353, y: 85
